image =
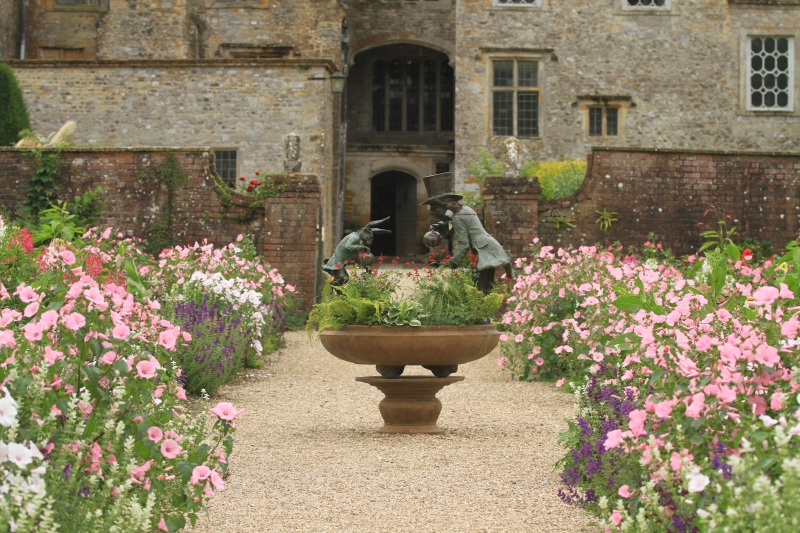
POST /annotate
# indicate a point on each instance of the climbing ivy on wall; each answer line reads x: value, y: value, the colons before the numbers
x: 160, y: 234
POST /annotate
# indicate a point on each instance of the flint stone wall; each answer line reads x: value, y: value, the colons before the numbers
x: 285, y: 230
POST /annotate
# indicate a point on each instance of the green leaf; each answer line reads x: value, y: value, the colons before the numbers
x: 185, y: 470
x: 765, y: 463
x: 733, y: 252
x: 414, y: 322
x: 628, y: 303
x: 174, y: 523
x: 141, y: 449
x: 758, y: 436
x: 90, y: 428
x: 656, y: 376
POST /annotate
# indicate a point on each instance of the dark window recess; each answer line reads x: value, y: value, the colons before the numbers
x: 420, y: 96
x: 78, y: 2
x: 503, y: 73
x: 396, y: 96
x: 503, y: 119
x: 528, y: 114
x: 225, y: 161
x: 447, y: 91
x: 611, y: 121
x: 596, y: 121
x: 647, y: 3
x: 441, y: 168
x: 769, y: 73
x: 378, y: 95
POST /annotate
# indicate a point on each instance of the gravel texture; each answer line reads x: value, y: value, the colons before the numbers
x: 306, y: 455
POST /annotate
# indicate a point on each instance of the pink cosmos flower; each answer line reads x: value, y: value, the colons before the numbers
x: 200, y: 473
x: 625, y: 491
x: 155, y: 434
x: 145, y: 369
x: 613, y: 439
x: 120, y: 332
x: 225, y: 411
x: 766, y: 295
x: 74, y: 321
x: 170, y: 449
x: 31, y: 309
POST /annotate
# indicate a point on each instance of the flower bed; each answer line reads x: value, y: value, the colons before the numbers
x: 685, y: 381
x: 94, y: 432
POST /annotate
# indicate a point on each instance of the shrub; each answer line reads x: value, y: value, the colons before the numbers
x: 558, y: 179
x: 13, y: 112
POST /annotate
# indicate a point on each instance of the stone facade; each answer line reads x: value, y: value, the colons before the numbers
x: 677, y: 75
x: 669, y: 191
x: 248, y: 106
x: 284, y: 230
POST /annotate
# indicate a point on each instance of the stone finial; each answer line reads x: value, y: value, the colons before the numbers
x: 292, y: 162
x: 512, y: 161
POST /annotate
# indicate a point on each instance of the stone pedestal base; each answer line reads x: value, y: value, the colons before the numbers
x: 410, y: 405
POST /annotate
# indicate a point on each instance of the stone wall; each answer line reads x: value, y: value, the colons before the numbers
x: 285, y: 230
x: 678, y: 75
x: 248, y: 106
x: 182, y: 29
x: 9, y: 41
x: 668, y: 192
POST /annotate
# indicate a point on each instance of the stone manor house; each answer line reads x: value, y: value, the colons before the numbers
x: 384, y: 92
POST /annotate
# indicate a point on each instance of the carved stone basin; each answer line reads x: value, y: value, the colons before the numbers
x: 410, y: 405
x: 409, y: 345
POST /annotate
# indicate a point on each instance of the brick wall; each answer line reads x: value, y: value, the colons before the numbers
x: 285, y: 231
x: 668, y: 192
x: 510, y: 212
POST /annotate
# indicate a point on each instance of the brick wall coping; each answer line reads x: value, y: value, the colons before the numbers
x: 689, y: 151
x: 169, y: 63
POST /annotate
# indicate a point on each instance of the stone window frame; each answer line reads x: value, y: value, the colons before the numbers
x: 441, y: 126
x: 521, y: 4
x: 53, y: 5
x: 516, y: 57
x: 671, y: 8
x: 619, y: 102
x: 745, y: 101
x: 626, y: 6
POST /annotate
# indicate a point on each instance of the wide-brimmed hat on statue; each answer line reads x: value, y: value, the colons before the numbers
x: 440, y: 187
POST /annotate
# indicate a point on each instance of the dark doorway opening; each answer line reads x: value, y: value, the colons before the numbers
x: 394, y: 194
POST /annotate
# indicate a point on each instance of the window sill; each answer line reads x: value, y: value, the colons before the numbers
x: 767, y: 113
x: 647, y: 12
x: 83, y: 9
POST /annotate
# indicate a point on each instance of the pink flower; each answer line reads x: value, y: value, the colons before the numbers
x: 162, y: 525
x: 503, y: 337
x: 68, y: 257
x: 616, y: 517
x: 539, y: 361
x: 703, y: 343
x: 181, y: 394
x: 696, y: 407
x: 108, y: 358
x: 560, y: 382
x: 766, y: 295
x: 33, y: 331
x: 74, y: 321
x: 48, y: 319
x: 155, y: 434
x: 200, y: 473
x: 121, y: 332
x: 501, y: 362
x: 636, y: 424
x: 767, y: 355
x: 170, y: 449
x: 790, y: 327
x: 663, y: 409
x: 290, y: 288
x: 167, y: 338
x: 7, y: 338
x: 519, y: 338
x: 26, y: 293
x: 51, y: 355
x: 225, y: 411
x: 145, y: 369
x: 217, y: 481
x: 625, y: 492
x: 613, y: 439
x: 785, y: 292
x: 4, y: 292
x: 172, y: 435
x: 31, y: 309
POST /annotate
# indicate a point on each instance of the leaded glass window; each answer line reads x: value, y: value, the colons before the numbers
x: 532, y: 3
x: 647, y: 3
x: 603, y: 121
x: 515, y: 98
x: 770, y: 76
x: 225, y: 161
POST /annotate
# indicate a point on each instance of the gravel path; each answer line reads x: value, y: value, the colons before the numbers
x: 306, y: 456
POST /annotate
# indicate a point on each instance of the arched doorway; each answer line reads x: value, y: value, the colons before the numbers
x: 394, y: 194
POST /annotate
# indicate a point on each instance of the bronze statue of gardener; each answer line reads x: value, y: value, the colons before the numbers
x: 349, y: 249
x: 469, y: 232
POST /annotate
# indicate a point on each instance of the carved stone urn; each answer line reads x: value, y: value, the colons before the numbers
x: 410, y: 405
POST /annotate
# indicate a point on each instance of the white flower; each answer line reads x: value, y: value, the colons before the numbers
x: 8, y: 410
x: 257, y: 346
x: 19, y: 454
x: 697, y: 481
x: 768, y: 420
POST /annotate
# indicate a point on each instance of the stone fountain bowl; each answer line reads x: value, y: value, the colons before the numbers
x: 409, y: 345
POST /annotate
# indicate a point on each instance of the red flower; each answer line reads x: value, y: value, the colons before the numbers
x: 241, y: 179
x: 747, y: 254
x: 250, y: 188
x: 24, y: 239
x: 254, y: 183
x: 258, y: 173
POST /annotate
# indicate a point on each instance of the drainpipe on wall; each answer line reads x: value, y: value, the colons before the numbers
x: 338, y: 226
x: 22, y: 31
